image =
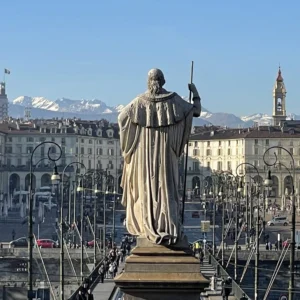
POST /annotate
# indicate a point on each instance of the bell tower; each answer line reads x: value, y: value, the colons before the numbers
x: 3, y: 102
x: 279, y: 94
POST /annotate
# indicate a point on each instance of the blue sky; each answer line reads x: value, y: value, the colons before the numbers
x: 104, y: 49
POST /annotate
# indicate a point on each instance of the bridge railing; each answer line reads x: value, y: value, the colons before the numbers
x: 91, y: 280
x: 236, y: 289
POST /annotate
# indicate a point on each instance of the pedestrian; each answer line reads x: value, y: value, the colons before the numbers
x: 226, y: 288
x: 213, y: 282
x: 267, y: 246
x: 118, y: 258
x: 201, y: 257
x: 121, y: 255
x: 276, y: 245
x: 106, y: 267
x: 111, y: 270
x: 128, y: 248
x: 80, y: 295
x: 13, y: 234
x: 101, y: 272
x: 115, y: 269
x: 90, y: 296
x: 270, y: 245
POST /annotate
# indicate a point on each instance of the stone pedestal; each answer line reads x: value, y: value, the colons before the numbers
x: 155, y: 272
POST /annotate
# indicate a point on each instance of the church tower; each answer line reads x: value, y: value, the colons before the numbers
x: 279, y: 94
x: 3, y: 102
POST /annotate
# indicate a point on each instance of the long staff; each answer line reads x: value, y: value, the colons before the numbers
x: 187, y: 153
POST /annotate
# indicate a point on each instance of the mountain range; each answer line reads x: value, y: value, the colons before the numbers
x: 94, y: 109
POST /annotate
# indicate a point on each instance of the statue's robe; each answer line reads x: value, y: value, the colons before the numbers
x: 153, y: 133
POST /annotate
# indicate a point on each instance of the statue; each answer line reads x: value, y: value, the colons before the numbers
x: 154, y: 129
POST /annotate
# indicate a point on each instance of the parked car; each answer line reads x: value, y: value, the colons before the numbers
x: 91, y: 243
x: 45, y: 243
x: 278, y: 220
x: 19, y: 243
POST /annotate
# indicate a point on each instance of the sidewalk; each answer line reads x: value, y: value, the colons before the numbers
x: 102, y: 291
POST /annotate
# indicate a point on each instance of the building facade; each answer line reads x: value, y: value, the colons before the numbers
x: 95, y: 144
x: 216, y: 149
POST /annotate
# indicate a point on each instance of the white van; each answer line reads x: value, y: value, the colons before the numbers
x: 278, y: 220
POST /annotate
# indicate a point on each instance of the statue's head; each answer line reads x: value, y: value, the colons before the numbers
x: 156, y: 81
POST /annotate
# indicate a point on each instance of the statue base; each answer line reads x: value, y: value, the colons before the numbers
x: 156, y: 272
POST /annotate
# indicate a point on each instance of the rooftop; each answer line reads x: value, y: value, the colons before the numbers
x: 97, y: 128
x: 289, y: 129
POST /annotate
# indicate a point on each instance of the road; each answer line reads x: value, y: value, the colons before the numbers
x: 14, y: 222
x: 48, y: 229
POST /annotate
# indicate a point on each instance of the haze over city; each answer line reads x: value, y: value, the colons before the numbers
x: 104, y: 49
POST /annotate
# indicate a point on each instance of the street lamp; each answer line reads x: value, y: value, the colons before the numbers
x: 223, y: 224
x: 268, y: 186
x: 55, y: 178
x: 114, y: 221
x: 96, y: 191
x: 213, y: 193
x: 256, y: 279
x: 30, y: 294
x: 293, y: 232
x: 80, y: 189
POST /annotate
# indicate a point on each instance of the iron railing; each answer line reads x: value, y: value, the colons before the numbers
x: 236, y: 289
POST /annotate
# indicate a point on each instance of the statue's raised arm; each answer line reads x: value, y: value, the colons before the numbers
x: 196, y: 100
x: 154, y: 128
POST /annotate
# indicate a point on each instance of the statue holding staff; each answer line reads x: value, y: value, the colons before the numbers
x: 154, y: 129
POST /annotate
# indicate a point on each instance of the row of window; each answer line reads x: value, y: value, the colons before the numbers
x: 90, y: 164
x: 20, y: 139
x: 196, y: 152
x: 19, y: 150
x: 196, y: 165
x: 279, y: 151
x: 99, y: 151
x: 229, y: 143
x: 196, y: 144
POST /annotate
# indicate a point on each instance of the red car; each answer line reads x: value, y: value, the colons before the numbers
x: 90, y: 244
x: 46, y: 243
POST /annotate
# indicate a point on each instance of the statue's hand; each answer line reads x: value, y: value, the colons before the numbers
x: 193, y: 89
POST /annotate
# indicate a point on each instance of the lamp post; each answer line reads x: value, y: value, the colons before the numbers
x: 293, y: 231
x: 70, y: 201
x: 55, y: 177
x: 80, y: 188
x: 256, y: 268
x: 30, y: 293
x: 114, y: 221
x: 239, y: 192
x: 268, y: 186
x: 238, y: 185
x: 213, y: 193
x: 95, y: 224
x: 223, y: 223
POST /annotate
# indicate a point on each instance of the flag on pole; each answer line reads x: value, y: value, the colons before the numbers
x: 6, y: 71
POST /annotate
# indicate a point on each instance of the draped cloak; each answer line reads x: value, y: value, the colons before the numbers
x: 153, y: 133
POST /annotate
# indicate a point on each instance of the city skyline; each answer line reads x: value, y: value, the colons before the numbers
x: 98, y: 51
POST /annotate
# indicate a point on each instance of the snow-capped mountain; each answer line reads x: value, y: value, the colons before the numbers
x: 94, y: 109
x: 94, y: 106
x: 261, y: 119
